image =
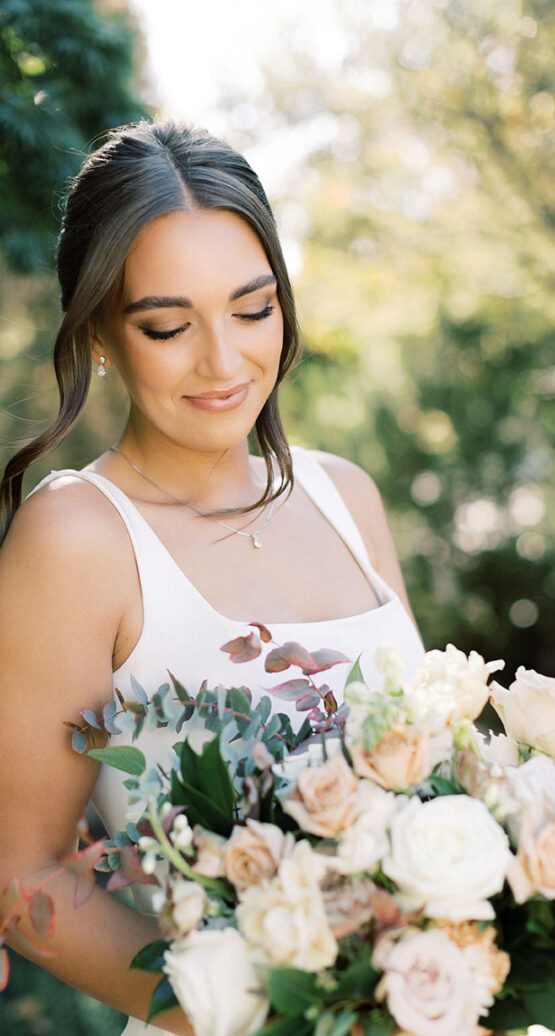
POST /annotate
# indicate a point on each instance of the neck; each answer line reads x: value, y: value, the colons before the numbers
x: 211, y: 481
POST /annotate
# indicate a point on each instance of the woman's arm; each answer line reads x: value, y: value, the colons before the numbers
x: 66, y: 573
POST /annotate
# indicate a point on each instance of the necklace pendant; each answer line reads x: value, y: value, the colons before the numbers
x: 256, y: 541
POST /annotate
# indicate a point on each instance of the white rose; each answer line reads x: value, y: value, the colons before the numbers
x: 449, y: 688
x: 284, y: 919
x: 429, y: 987
x: 499, y: 750
x: 528, y: 709
x: 212, y: 977
x: 533, y: 787
x: 362, y: 846
x: 447, y: 856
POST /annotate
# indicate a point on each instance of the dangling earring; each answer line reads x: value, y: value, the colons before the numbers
x: 101, y: 369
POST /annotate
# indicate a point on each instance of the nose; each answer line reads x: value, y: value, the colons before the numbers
x: 219, y: 357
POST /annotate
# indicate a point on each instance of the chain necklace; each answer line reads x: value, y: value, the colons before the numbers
x: 254, y: 535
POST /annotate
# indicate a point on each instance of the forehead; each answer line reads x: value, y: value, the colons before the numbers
x: 186, y: 249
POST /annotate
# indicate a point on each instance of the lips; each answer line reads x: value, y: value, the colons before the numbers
x: 216, y: 402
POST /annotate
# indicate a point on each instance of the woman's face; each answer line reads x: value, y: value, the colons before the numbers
x: 197, y: 332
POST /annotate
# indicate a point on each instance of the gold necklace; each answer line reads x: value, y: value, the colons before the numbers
x: 254, y: 535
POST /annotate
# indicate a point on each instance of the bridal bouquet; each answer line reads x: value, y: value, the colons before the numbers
x: 387, y: 869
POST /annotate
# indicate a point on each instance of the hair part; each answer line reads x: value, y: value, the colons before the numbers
x: 143, y: 171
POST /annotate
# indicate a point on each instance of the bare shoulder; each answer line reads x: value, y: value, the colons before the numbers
x: 68, y: 520
x: 356, y: 486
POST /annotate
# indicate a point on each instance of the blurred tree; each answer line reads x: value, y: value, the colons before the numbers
x: 425, y: 294
x: 68, y: 72
x: 66, y: 75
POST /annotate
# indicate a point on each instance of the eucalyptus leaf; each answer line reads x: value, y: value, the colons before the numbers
x: 121, y: 757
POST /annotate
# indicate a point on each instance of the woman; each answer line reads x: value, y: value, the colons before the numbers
x: 171, y: 541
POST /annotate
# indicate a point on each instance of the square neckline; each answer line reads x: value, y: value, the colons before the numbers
x: 115, y: 495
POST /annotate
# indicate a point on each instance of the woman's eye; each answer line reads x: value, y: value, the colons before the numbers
x: 162, y: 335
x: 260, y: 315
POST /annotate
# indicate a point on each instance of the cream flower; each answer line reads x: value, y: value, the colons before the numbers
x: 210, y: 850
x: 212, y: 977
x: 532, y: 786
x: 528, y: 709
x: 324, y: 801
x: 498, y: 750
x: 449, y: 689
x: 253, y: 853
x: 284, y: 920
x: 447, y: 856
x: 533, y: 868
x: 429, y: 987
x: 363, y: 844
x: 189, y: 904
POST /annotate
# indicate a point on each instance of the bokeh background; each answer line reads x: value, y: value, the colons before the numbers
x: 407, y: 147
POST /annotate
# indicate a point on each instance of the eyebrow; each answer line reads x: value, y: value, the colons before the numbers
x: 182, y: 302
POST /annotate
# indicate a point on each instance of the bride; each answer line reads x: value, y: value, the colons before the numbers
x: 199, y: 520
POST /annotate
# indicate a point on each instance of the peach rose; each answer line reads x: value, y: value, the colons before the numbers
x: 532, y: 870
x: 254, y: 852
x: 210, y: 849
x: 325, y: 799
x: 401, y: 758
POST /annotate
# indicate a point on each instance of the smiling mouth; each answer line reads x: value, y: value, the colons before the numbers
x: 227, y: 399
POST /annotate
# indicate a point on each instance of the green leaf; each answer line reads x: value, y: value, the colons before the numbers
x: 292, y: 991
x: 208, y: 773
x: 163, y: 999
x: 330, y: 1024
x: 443, y: 786
x: 284, y: 1027
x: 540, y: 1005
x: 357, y: 982
x: 151, y: 957
x: 200, y: 808
x: 122, y: 757
x: 376, y: 1023
x: 355, y: 675
x: 239, y: 701
x: 507, y: 1014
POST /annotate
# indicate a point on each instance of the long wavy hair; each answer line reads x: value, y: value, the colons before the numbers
x: 143, y: 171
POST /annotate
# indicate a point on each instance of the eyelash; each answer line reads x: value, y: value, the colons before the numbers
x: 164, y: 336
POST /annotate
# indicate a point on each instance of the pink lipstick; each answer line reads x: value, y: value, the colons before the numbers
x: 217, y: 402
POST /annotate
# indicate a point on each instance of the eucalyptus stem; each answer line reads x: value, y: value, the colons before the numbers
x: 168, y: 849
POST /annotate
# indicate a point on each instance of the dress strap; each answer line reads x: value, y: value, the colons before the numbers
x: 324, y: 493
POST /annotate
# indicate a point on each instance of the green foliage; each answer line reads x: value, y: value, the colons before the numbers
x: 65, y: 76
x: 151, y: 957
x: 37, y: 1004
x: 426, y: 304
x: 205, y: 788
x: 122, y: 757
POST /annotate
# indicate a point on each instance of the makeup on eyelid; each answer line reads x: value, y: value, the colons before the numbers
x: 157, y: 335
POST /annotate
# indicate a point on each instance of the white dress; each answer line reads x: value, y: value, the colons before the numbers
x: 183, y: 633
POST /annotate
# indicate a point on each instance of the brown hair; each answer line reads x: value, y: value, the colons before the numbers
x: 143, y: 171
